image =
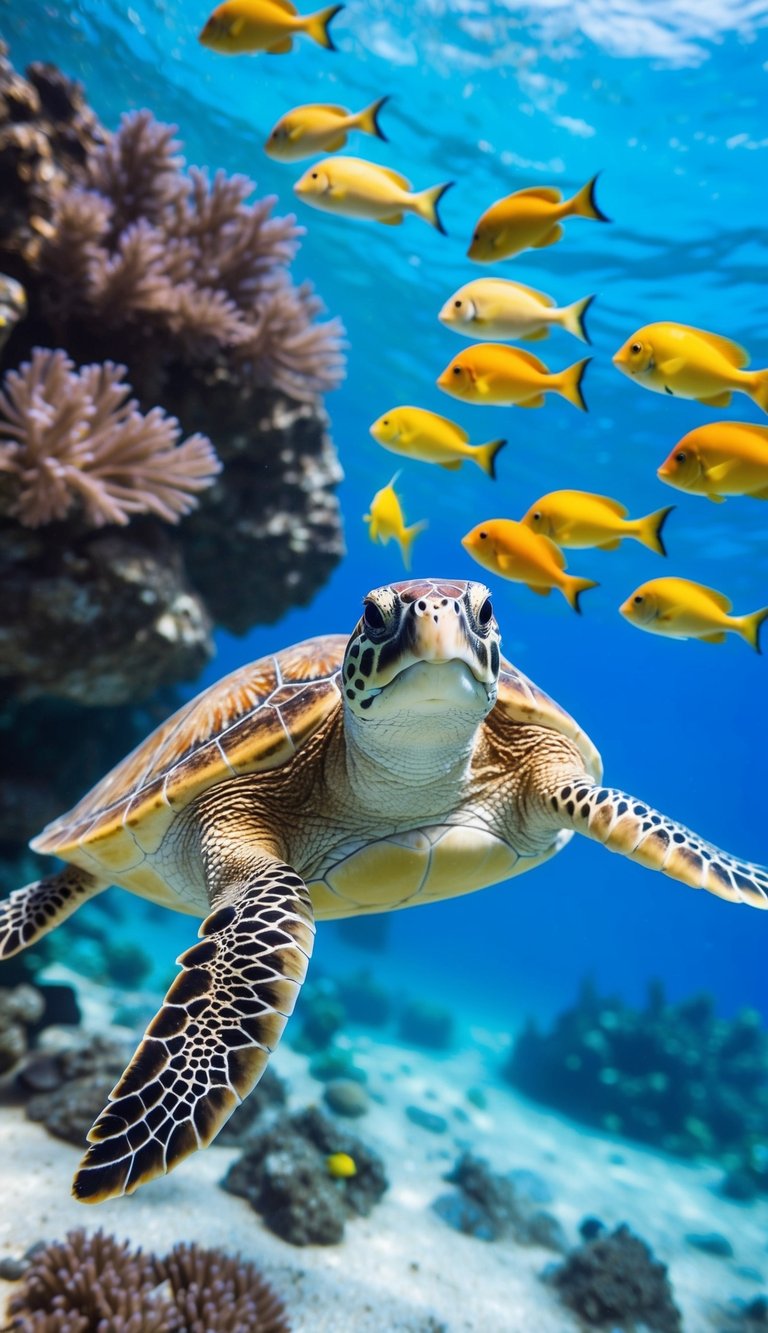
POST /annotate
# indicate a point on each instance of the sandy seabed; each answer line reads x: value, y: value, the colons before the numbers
x: 403, y: 1269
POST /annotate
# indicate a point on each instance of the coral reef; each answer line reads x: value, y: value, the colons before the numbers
x: 493, y: 1207
x: 90, y: 1284
x: 673, y: 1075
x: 284, y: 1175
x: 70, y: 1085
x: 184, y: 282
x: 615, y: 1282
x: 424, y: 1024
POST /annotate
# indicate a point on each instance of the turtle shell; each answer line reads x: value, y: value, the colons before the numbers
x: 254, y: 719
x: 522, y: 701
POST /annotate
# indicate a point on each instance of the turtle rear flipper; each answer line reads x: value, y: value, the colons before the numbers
x: 209, y: 1043
x: 624, y: 824
x: 29, y: 913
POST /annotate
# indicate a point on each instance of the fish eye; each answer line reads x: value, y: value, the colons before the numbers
x: 485, y: 614
x: 457, y: 305
x: 638, y: 600
x: 457, y: 370
x: 483, y: 535
x: 537, y: 514
x: 385, y: 422
x: 636, y: 347
x: 681, y: 456
x: 314, y: 175
x: 372, y: 617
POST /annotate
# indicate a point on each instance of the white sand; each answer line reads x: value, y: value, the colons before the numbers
x: 402, y: 1268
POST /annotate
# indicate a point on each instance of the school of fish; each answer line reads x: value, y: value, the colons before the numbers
x: 720, y: 460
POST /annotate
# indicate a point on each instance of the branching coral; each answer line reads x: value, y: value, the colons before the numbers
x: 96, y: 1284
x: 76, y: 438
x: 140, y: 247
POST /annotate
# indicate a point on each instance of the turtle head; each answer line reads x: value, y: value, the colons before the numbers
x: 424, y: 646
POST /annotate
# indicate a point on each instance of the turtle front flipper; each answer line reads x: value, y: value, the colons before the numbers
x: 624, y: 824
x: 29, y: 913
x: 208, y: 1045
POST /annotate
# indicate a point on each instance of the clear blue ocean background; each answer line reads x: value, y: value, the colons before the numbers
x: 667, y: 98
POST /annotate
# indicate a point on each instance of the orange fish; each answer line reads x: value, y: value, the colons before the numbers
x: 683, y: 609
x: 512, y: 551
x: 723, y: 458
x: 498, y: 375
x: 529, y: 219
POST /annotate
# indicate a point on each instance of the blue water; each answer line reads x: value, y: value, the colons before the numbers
x: 667, y: 98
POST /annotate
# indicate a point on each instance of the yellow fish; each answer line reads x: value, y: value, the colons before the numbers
x: 498, y: 308
x: 417, y: 433
x: 511, y: 550
x: 386, y: 521
x: 529, y: 219
x: 318, y: 128
x: 682, y: 609
x: 579, y: 518
x: 238, y: 26
x: 341, y: 1166
x: 497, y: 375
x: 359, y: 189
x: 691, y: 363
x: 723, y: 458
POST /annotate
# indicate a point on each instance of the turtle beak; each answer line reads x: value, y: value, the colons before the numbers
x: 437, y: 633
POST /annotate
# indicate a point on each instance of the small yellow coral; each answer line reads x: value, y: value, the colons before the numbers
x: 341, y: 1166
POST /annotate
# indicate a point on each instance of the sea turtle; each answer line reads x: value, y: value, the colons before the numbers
x: 406, y: 764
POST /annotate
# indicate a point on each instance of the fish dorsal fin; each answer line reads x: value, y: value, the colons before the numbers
x: 615, y: 506
x: 529, y: 359
x: 329, y: 106
x: 733, y: 352
x: 285, y: 5
x: 548, y: 192
x: 541, y: 297
x: 395, y: 176
x: 720, y: 599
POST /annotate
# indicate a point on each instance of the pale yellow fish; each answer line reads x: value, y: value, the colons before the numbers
x: 682, y: 609
x: 684, y: 362
x: 529, y: 219
x: 504, y: 310
x: 416, y: 433
x: 341, y: 1165
x: 386, y: 521
x: 497, y: 375
x: 354, y: 188
x: 512, y: 551
x: 723, y: 458
x: 579, y: 519
x: 318, y: 128
x: 240, y: 26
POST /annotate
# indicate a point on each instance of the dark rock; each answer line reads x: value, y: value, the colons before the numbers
x: 424, y: 1024
x: 86, y: 1074
x: 285, y: 1177
x: 270, y: 1092
x: 591, y: 1227
x: 346, y: 1097
x: 20, y: 1008
x: 711, y: 1242
x: 488, y: 1206
x: 429, y: 1120
x: 69, y: 1111
x: 12, y: 1269
x: 616, y: 1280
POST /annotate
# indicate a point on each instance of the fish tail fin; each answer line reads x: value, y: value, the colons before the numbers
x: 758, y: 388
x: 485, y: 456
x: 425, y: 204
x: 316, y: 26
x: 368, y: 120
x: 649, y: 530
x: 568, y: 383
x: 408, y: 538
x: 573, y: 587
x: 573, y: 318
x: 749, y: 627
x: 584, y: 204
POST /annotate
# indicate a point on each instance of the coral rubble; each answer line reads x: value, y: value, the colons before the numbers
x: 492, y: 1206
x: 615, y: 1282
x: 95, y: 1282
x: 20, y: 1008
x: 284, y: 1174
x: 673, y: 1075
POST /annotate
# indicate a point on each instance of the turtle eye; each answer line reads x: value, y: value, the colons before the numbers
x: 636, y: 347
x: 681, y: 456
x: 485, y: 614
x: 373, y: 618
x: 638, y: 600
